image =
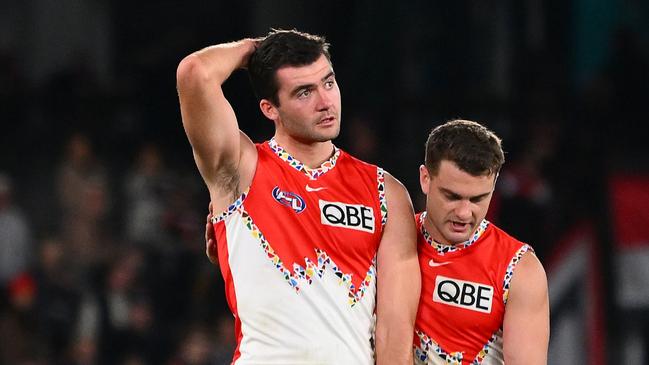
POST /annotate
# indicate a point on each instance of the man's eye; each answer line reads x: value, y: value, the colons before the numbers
x: 303, y: 94
x: 329, y: 84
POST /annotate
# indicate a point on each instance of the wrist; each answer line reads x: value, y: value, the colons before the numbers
x: 247, y: 47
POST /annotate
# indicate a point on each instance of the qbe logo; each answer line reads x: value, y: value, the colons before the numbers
x: 463, y: 294
x: 354, y: 216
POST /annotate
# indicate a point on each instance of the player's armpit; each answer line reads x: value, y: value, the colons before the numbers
x: 398, y: 279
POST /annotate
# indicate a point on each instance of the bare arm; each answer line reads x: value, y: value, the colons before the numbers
x: 224, y: 156
x: 398, y: 279
x: 526, y: 328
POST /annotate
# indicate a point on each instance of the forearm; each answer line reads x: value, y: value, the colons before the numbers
x: 214, y: 64
x: 394, y: 341
x: 396, y: 314
x: 393, y: 349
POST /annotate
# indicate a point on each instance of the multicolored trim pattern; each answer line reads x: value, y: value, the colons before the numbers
x: 510, y: 269
x: 313, y: 174
x: 427, y: 345
x: 443, y: 249
x: 380, y: 177
x: 311, y: 269
x: 231, y: 209
x: 485, y: 349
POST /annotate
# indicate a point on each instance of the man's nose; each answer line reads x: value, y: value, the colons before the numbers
x: 463, y: 210
x: 324, y: 100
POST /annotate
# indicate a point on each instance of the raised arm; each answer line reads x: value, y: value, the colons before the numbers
x: 398, y: 279
x: 526, y: 328
x: 225, y: 157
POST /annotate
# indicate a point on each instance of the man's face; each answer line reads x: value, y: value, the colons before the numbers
x: 456, y: 202
x: 309, y: 101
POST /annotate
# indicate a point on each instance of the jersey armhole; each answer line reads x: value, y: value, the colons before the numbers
x: 511, y: 267
x: 231, y: 208
x: 383, y: 202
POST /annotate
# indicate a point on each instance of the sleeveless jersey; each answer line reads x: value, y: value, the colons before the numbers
x: 297, y: 252
x: 464, y: 291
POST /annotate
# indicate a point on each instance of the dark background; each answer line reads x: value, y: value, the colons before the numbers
x: 88, y: 101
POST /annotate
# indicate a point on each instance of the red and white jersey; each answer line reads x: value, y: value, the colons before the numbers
x: 298, y: 255
x: 464, y: 291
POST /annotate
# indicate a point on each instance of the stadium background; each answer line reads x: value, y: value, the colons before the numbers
x: 102, y: 208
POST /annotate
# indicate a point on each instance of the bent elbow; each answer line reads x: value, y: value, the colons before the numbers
x: 191, y: 72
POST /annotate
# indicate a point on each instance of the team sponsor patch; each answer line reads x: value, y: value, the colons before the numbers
x: 289, y: 199
x: 464, y: 294
x: 354, y: 216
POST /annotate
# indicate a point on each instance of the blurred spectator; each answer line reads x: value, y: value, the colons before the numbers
x: 84, y: 196
x: 526, y: 196
x: 196, y: 348
x: 143, y: 338
x: 113, y: 307
x: 18, y: 325
x: 57, y: 300
x: 83, y: 351
x: 181, y: 216
x: 147, y: 186
x: 15, y: 236
x: 78, y: 169
x: 177, y: 271
x: 224, y: 343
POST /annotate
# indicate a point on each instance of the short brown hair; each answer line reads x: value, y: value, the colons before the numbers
x: 281, y: 48
x: 470, y: 145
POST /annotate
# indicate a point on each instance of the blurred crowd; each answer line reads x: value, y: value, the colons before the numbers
x: 130, y: 286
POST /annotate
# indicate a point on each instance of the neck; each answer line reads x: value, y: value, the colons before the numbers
x: 434, y: 234
x: 311, y: 154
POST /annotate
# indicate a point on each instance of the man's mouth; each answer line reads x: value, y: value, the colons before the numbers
x: 459, y: 226
x: 327, y: 120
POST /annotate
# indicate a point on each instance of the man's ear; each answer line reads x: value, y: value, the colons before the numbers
x: 496, y: 179
x: 270, y: 111
x: 424, y: 179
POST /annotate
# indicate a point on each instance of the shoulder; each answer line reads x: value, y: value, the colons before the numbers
x: 395, y: 189
x: 530, y: 267
x: 529, y: 280
x: 399, y: 205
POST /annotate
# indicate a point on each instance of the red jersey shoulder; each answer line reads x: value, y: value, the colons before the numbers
x: 347, y: 161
